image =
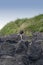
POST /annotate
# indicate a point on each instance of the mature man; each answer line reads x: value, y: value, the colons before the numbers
x: 21, y: 34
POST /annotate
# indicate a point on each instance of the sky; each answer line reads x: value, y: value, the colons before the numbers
x: 11, y: 10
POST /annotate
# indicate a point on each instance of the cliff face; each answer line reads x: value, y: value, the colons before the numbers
x: 25, y: 51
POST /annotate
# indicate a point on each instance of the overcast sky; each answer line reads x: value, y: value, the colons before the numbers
x: 13, y: 9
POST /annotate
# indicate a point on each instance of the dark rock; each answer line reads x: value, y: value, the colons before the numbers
x: 25, y: 60
x: 7, y: 49
x: 14, y: 51
x: 22, y: 47
x: 35, y: 51
x: 39, y: 62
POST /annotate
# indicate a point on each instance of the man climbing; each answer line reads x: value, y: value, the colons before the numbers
x: 21, y: 34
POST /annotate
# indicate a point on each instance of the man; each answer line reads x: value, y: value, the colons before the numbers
x: 21, y: 34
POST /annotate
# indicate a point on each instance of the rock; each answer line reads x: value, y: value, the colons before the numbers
x: 40, y: 61
x: 35, y: 51
x: 7, y: 49
x: 22, y: 47
x: 14, y: 51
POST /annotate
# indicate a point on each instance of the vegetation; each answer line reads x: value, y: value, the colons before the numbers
x: 28, y: 25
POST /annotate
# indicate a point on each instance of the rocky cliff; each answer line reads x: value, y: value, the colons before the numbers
x: 25, y: 51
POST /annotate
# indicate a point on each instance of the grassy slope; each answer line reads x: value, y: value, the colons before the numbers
x: 33, y: 24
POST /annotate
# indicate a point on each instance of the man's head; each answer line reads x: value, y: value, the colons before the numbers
x: 21, y: 32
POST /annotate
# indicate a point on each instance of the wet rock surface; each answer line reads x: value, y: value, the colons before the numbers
x: 14, y: 51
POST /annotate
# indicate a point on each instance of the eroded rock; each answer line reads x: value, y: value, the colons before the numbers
x: 17, y: 51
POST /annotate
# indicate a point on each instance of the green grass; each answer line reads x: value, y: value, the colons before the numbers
x: 33, y: 24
